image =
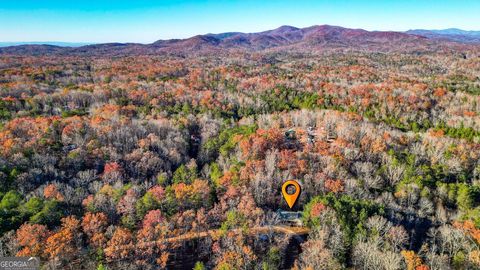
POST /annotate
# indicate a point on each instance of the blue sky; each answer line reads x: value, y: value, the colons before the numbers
x: 146, y: 21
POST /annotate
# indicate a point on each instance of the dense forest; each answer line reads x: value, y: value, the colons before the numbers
x: 115, y: 162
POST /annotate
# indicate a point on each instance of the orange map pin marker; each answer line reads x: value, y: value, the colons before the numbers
x: 290, y: 198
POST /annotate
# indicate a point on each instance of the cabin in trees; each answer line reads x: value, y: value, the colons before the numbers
x: 290, y: 218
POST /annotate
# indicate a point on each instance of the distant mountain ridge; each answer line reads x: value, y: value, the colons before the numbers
x: 52, y: 43
x: 453, y: 34
x: 313, y: 38
x: 320, y: 36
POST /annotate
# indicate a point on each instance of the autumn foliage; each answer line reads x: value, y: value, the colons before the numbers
x: 167, y: 160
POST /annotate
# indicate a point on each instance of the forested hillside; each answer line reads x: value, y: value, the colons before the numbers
x: 105, y: 159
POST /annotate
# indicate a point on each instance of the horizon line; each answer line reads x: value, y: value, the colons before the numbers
x: 86, y: 43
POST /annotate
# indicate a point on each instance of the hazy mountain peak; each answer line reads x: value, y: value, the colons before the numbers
x: 285, y: 28
x: 452, y: 34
